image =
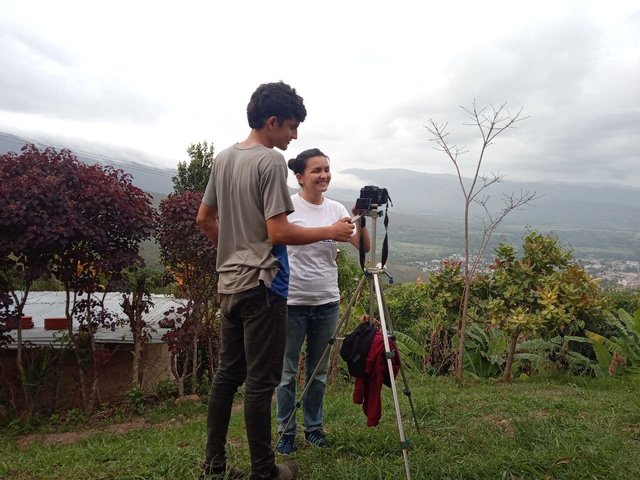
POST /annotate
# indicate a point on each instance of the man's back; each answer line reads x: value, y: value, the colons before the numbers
x: 248, y: 186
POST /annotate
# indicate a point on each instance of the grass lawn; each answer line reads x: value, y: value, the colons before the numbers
x: 569, y: 428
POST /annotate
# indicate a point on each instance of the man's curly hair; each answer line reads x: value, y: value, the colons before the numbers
x: 275, y: 99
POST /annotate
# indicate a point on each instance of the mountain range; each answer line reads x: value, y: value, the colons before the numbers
x: 426, y: 209
x: 147, y: 177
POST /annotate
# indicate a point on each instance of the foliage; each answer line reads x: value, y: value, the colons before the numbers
x: 194, y: 176
x: 135, y: 399
x: 191, y: 258
x: 166, y: 389
x: 428, y: 311
x: 485, y: 351
x: 541, y: 293
x: 619, y: 353
x: 623, y: 298
x: 81, y: 223
x: 40, y: 217
x: 185, y: 250
x: 85, y: 218
x: 8, y: 314
x: 407, y: 303
x: 556, y: 355
x: 349, y: 274
x: 42, y: 370
x: 412, y: 353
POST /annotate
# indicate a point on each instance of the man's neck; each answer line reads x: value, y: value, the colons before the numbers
x: 256, y: 137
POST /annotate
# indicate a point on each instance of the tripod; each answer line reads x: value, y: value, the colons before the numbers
x: 376, y: 298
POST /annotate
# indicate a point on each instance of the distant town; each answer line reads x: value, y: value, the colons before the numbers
x: 618, y: 273
x: 623, y: 273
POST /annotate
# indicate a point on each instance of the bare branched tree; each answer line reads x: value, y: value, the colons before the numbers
x: 491, y: 123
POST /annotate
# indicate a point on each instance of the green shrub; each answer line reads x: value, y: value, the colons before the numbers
x: 135, y: 399
x: 166, y: 389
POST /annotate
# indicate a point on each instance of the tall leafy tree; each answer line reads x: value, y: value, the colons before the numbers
x: 114, y: 217
x: 191, y: 258
x: 193, y: 175
x: 81, y: 223
x: 39, y: 218
x: 543, y: 292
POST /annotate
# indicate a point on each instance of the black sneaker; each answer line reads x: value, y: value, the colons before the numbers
x: 228, y: 473
x: 281, y: 471
x: 316, y: 438
x: 286, y: 445
x: 286, y: 471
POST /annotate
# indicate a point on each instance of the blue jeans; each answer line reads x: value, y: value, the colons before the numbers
x: 253, y: 331
x: 317, y: 323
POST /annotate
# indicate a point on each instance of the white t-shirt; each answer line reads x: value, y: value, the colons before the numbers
x: 313, y: 278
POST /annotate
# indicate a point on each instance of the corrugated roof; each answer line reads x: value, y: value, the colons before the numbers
x: 41, y: 305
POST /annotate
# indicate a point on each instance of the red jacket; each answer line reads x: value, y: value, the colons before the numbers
x: 367, y: 389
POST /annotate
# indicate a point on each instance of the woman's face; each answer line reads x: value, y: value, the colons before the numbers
x: 316, y: 176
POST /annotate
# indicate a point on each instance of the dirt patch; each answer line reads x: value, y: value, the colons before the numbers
x: 504, y: 424
x: 66, y: 438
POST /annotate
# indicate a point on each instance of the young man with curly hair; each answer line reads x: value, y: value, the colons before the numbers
x: 244, y: 213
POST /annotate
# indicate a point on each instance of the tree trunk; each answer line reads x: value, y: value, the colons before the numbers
x: 137, y: 355
x: 210, y: 352
x: 176, y: 375
x: 462, y: 322
x: 74, y: 342
x: 24, y: 381
x: 83, y: 389
x: 94, y: 362
x: 506, y: 378
x: 194, y: 364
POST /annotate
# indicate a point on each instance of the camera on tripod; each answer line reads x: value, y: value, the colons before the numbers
x: 377, y: 195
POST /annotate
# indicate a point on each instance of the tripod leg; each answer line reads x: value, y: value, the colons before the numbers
x: 406, y: 391
x: 403, y: 442
x: 332, y: 340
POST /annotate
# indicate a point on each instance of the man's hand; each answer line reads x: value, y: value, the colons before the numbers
x: 342, y: 230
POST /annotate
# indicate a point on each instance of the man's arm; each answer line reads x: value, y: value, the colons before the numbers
x: 207, y: 220
x: 282, y: 232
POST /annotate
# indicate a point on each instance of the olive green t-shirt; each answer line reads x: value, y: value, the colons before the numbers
x: 247, y: 186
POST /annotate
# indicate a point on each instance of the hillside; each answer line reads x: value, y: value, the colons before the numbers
x: 145, y: 176
x: 600, y: 222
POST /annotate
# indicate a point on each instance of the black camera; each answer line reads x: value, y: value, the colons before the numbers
x: 379, y: 196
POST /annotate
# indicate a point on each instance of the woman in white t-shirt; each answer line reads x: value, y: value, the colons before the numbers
x: 313, y: 301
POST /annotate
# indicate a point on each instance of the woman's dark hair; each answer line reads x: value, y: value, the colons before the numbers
x: 298, y: 164
x: 275, y: 100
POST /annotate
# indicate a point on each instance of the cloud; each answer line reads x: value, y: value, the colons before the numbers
x: 157, y: 77
x: 44, y: 79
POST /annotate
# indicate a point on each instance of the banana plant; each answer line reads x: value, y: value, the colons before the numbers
x: 485, y: 351
x: 621, y: 352
x: 411, y: 352
x: 551, y: 353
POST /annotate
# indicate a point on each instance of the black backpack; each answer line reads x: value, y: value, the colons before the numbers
x: 355, y: 348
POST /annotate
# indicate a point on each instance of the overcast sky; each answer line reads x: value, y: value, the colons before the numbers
x: 158, y: 76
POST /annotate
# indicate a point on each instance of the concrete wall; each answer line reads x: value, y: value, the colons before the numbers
x: 61, y: 388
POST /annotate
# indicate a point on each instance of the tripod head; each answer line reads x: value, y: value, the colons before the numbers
x: 370, y: 204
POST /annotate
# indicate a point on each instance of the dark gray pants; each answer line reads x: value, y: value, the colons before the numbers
x: 253, y: 336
